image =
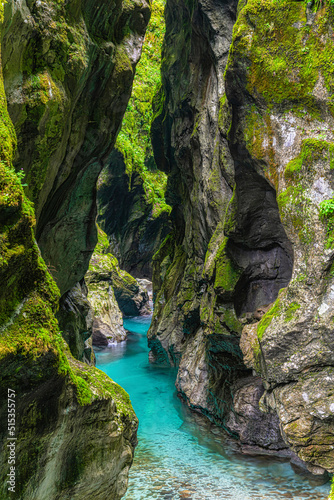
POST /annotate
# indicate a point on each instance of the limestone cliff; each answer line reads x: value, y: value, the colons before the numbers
x: 68, y: 70
x: 243, y: 128
x: 132, y: 298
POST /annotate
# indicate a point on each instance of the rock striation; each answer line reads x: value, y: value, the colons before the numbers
x: 243, y: 128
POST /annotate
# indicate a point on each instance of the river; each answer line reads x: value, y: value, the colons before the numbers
x: 178, y: 456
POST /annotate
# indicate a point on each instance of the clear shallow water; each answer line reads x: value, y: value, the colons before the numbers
x: 177, y: 456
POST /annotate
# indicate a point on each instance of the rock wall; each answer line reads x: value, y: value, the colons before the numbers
x: 283, y: 128
x: 126, y: 216
x: 132, y: 298
x: 57, y: 398
x: 68, y: 71
x: 132, y: 209
x: 75, y: 317
x: 243, y: 127
x: 194, y: 322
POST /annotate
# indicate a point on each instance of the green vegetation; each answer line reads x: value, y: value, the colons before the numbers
x: 274, y: 311
x: 326, y: 213
x: 291, y: 310
x: 227, y: 274
x: 284, y: 55
x: 134, y: 138
x: 294, y: 204
x: 312, y: 150
x: 327, y: 209
x: 331, y: 496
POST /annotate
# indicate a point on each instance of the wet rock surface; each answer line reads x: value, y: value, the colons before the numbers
x: 75, y: 317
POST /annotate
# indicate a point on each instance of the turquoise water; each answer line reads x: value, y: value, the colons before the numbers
x: 179, y: 455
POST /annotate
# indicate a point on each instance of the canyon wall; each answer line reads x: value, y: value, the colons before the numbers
x: 67, y: 76
x: 243, y: 128
x: 68, y: 71
x: 132, y: 209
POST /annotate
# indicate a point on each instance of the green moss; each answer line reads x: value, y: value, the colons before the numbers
x: 295, y: 207
x: 134, y: 138
x: 326, y: 214
x: 284, y: 56
x: 225, y: 115
x: 312, y: 150
x: 232, y: 322
x: 331, y: 495
x: 290, y: 312
x: 273, y: 312
x: 227, y: 274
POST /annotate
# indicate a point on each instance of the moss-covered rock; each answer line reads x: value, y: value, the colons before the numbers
x: 280, y: 86
x: 207, y: 273
x: 54, y: 393
x: 68, y: 71
x: 104, y: 272
x: 124, y: 213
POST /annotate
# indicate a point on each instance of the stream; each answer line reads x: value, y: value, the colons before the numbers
x: 178, y: 456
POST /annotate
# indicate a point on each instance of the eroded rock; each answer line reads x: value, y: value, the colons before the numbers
x: 106, y: 281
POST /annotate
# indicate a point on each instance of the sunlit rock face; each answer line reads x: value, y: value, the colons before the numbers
x: 68, y: 70
x: 249, y: 156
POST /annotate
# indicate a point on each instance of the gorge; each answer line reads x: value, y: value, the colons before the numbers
x: 213, y: 179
